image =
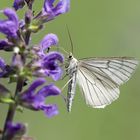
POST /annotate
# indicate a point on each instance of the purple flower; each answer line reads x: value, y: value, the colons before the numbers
x: 48, y: 41
x: 50, y: 110
x: 2, y: 67
x: 6, y: 45
x: 36, y: 100
x: 5, y: 70
x: 3, y: 43
x: 18, y: 4
x: 49, y: 65
x: 51, y: 11
x: 9, y: 26
x: 14, y: 130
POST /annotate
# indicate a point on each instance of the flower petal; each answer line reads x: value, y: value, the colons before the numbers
x: 2, y: 67
x: 48, y: 5
x: 10, y: 25
x: 38, y: 82
x: 62, y: 7
x: 11, y: 14
x: 51, y: 11
x: 51, y: 66
x: 54, y: 56
x: 36, y: 101
x: 18, y: 4
x: 8, y: 28
x: 49, y: 90
x: 14, y: 130
x: 50, y: 110
x: 3, y: 43
x: 48, y: 41
x: 56, y: 74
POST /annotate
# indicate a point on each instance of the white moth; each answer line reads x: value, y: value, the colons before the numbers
x: 99, y: 78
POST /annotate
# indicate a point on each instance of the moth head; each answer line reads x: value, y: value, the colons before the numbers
x: 70, y: 56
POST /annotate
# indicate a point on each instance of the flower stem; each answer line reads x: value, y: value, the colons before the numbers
x: 12, y: 108
x: 27, y: 37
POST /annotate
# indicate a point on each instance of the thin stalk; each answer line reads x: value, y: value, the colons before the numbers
x: 27, y: 37
x: 12, y: 108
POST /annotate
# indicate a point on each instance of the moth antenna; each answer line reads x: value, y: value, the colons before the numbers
x: 72, y: 46
x: 63, y: 50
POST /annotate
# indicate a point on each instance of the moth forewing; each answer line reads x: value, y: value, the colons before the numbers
x: 100, y: 78
x: 119, y: 69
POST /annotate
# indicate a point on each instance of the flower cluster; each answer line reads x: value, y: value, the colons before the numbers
x: 36, y: 100
x: 29, y: 61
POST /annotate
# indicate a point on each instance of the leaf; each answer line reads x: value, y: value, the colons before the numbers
x: 6, y: 100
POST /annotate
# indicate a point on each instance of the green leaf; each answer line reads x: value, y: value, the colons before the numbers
x: 35, y: 26
x: 6, y: 100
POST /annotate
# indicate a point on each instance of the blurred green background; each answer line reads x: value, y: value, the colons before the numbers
x: 98, y: 28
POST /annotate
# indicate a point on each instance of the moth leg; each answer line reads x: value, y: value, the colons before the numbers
x: 66, y: 73
x: 62, y: 95
x: 66, y: 84
x: 64, y: 76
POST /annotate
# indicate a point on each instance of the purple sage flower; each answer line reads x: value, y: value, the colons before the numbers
x: 2, y: 67
x: 9, y: 26
x: 51, y: 11
x: 5, y: 70
x: 18, y: 4
x: 3, y: 43
x: 48, y: 41
x: 14, y: 130
x: 6, y: 45
x: 36, y: 100
x: 50, y: 63
x: 49, y: 66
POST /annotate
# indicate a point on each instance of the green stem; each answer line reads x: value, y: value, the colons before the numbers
x: 27, y: 37
x: 12, y: 108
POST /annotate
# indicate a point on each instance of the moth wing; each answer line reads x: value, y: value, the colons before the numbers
x: 100, y: 78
